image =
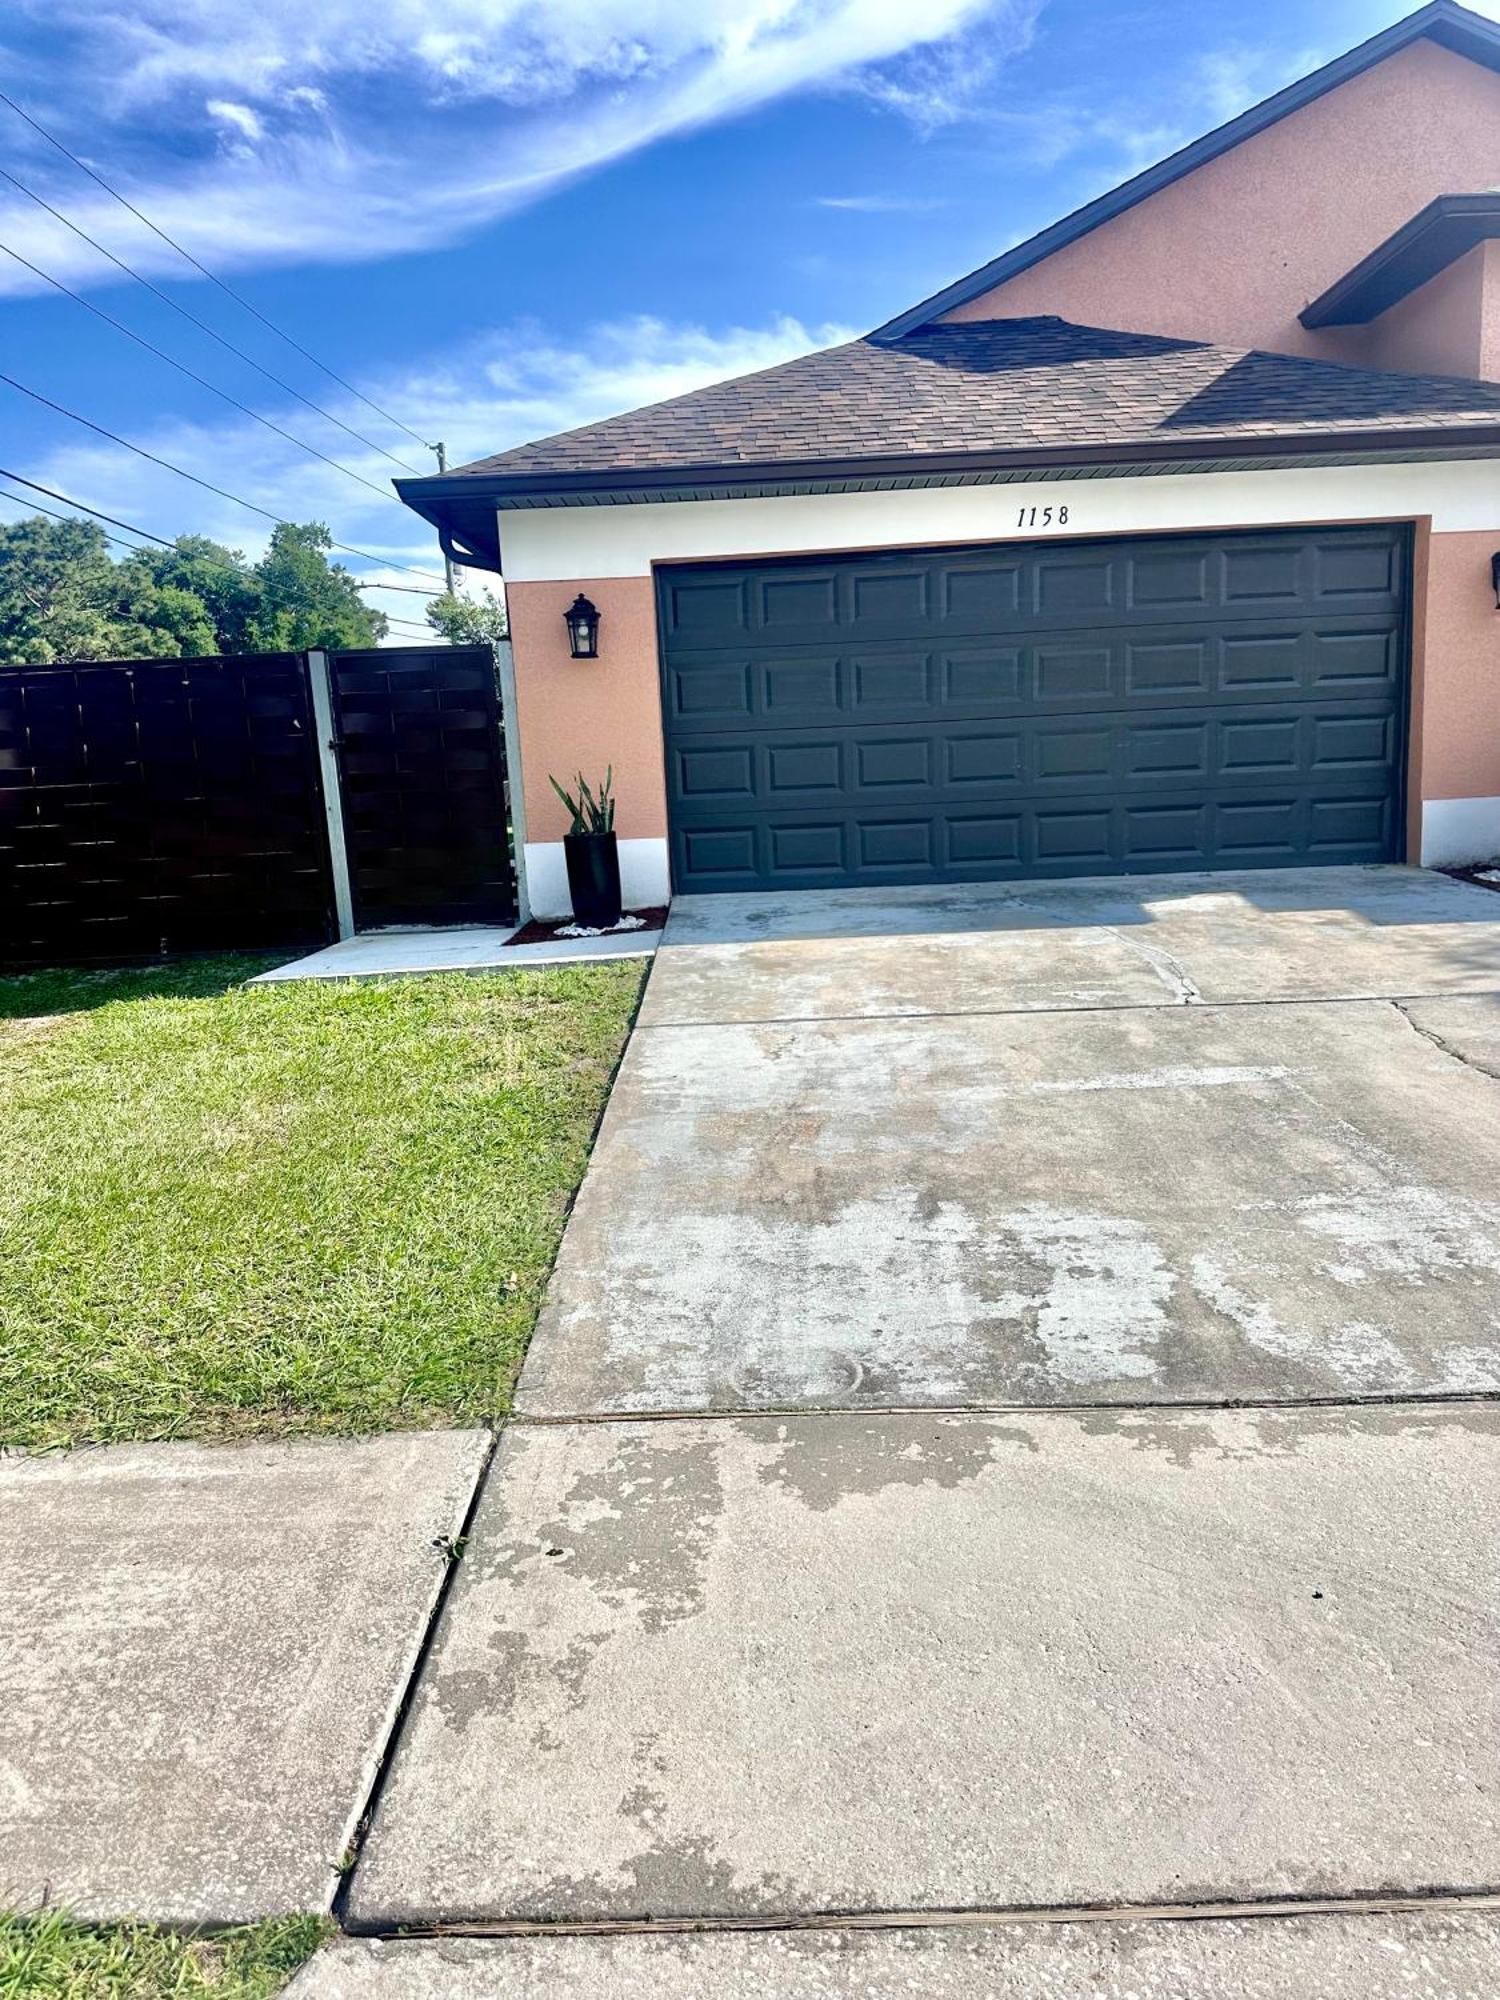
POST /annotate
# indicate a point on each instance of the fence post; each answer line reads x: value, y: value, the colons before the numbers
x: 510, y: 729
x: 333, y: 796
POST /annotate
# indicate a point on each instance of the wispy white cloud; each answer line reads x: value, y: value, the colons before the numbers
x: 1205, y: 92
x: 945, y: 78
x: 1229, y: 80
x: 238, y: 119
x: 880, y: 204
x: 362, y: 128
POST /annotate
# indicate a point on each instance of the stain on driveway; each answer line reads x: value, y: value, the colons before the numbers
x: 1146, y: 1205
x: 948, y: 1662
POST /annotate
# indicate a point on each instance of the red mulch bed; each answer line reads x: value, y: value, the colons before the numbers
x: 540, y: 931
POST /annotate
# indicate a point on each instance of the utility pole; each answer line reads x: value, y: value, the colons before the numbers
x: 442, y: 459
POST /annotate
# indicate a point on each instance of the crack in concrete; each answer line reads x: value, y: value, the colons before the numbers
x: 1447, y: 1048
x: 1168, y: 968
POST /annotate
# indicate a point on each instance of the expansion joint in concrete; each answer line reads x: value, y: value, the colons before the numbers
x: 1376, y: 1903
x: 452, y: 1548
x: 1142, y: 1406
x: 1191, y: 996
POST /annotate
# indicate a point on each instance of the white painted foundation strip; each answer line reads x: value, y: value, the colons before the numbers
x: 1458, y: 832
x: 645, y: 876
x: 549, y: 544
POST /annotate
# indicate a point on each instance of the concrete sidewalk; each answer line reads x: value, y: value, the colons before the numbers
x: 202, y: 1652
x: 468, y: 948
x: 1147, y: 1146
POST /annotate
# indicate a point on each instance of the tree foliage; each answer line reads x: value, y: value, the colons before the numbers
x: 63, y: 597
x: 468, y: 621
x: 304, y: 599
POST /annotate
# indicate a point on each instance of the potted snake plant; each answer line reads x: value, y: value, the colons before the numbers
x: 592, y: 853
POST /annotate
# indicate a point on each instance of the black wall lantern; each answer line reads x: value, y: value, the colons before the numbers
x: 1495, y: 576
x: 582, y: 620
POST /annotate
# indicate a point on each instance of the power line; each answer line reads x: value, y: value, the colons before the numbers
x: 68, y: 501
x: 208, y: 486
x: 35, y: 507
x: 224, y: 569
x: 161, y: 541
x: 20, y: 500
x: 202, y: 324
x: 228, y: 290
x: 192, y: 374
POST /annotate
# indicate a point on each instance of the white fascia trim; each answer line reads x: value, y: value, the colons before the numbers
x: 1458, y: 832
x: 544, y: 545
x: 645, y: 876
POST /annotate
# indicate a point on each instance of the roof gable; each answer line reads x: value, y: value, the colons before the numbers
x: 1444, y: 22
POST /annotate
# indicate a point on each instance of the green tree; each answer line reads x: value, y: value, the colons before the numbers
x: 152, y: 621
x: 468, y: 621
x: 218, y: 577
x: 62, y: 598
x: 305, y: 600
x: 55, y: 582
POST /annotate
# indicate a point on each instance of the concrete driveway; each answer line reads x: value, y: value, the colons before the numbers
x: 1197, y: 1140
x: 1012, y: 1431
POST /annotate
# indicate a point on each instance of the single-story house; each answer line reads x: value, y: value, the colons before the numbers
x: 1166, y: 540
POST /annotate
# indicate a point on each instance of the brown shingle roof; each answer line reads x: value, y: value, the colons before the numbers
x: 996, y: 385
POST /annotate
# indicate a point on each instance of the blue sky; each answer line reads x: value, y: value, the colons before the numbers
x: 498, y: 218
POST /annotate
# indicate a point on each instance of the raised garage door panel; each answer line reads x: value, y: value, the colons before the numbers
x: 1069, y: 708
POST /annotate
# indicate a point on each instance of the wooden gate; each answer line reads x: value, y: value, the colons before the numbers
x: 421, y: 760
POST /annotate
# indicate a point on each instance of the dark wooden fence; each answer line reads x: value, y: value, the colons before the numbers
x: 157, y: 806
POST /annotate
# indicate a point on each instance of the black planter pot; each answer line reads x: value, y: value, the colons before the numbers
x: 593, y: 878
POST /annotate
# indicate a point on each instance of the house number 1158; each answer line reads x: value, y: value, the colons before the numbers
x: 1042, y: 517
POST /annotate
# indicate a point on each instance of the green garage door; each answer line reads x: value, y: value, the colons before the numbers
x: 1068, y: 708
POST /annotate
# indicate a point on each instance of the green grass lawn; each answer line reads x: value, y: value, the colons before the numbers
x: 228, y: 1209
x: 50, y: 1958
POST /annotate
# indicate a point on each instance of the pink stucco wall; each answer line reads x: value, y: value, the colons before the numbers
x: 1489, y: 337
x: 586, y: 714
x: 1449, y: 326
x: 1455, y: 747
x: 1235, y: 250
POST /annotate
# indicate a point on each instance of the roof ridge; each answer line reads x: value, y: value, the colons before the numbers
x: 1185, y: 344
